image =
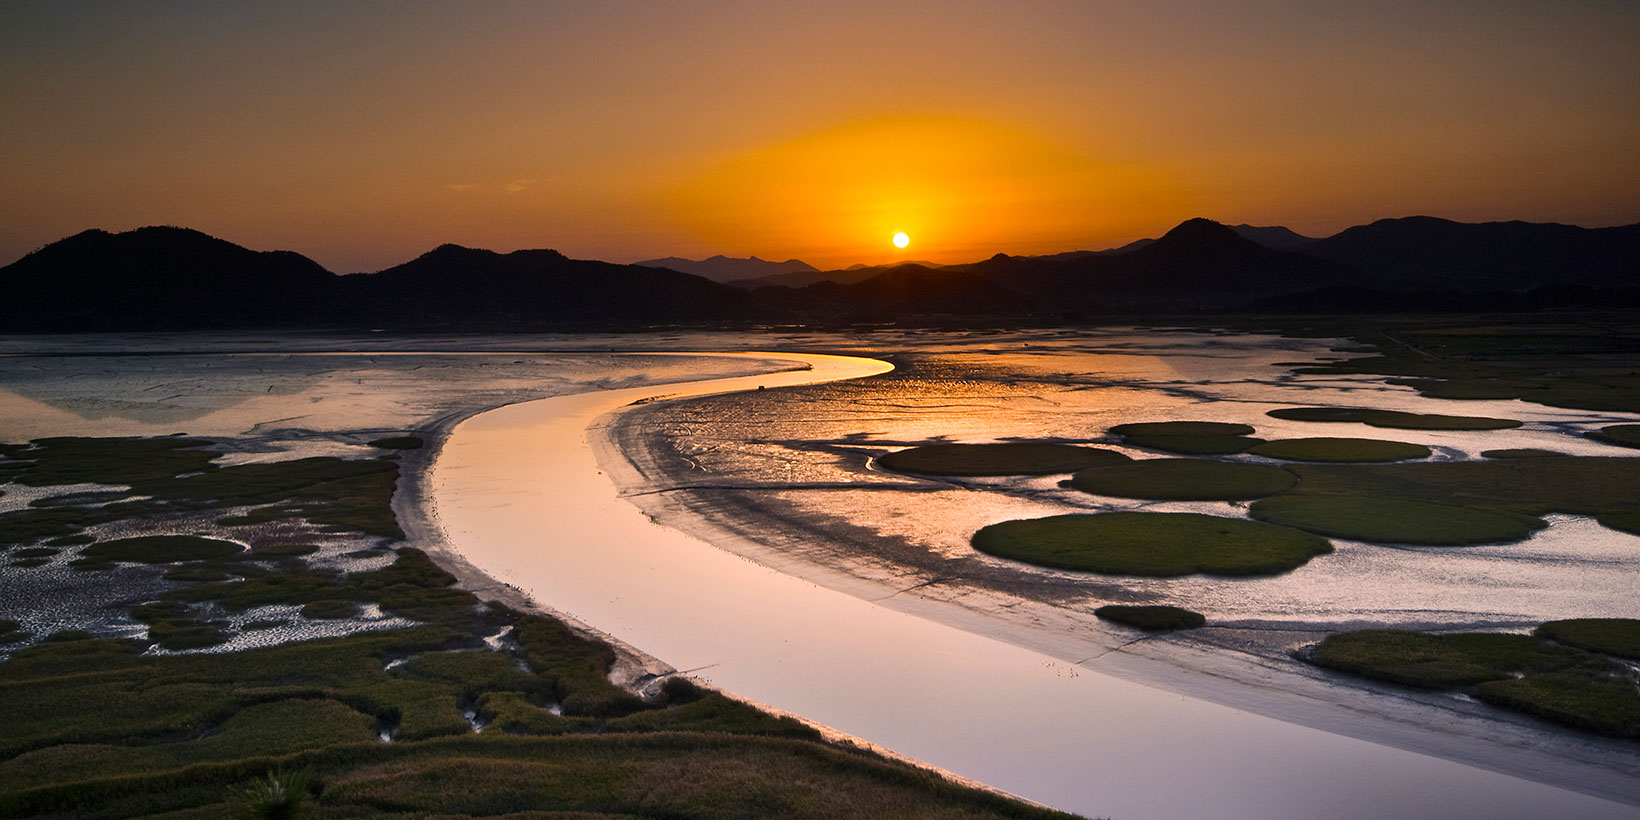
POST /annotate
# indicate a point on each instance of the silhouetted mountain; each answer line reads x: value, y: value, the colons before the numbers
x: 466, y: 285
x: 906, y: 291
x: 159, y: 278
x: 1421, y: 252
x: 730, y: 269
x: 1275, y: 237
x: 846, y: 276
x: 1199, y: 265
x: 174, y: 278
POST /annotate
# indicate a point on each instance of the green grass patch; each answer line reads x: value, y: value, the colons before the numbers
x: 10, y: 633
x: 1623, y: 435
x: 1619, y: 637
x: 1522, y: 452
x: 131, y: 461
x: 329, y: 609
x: 1191, y: 438
x: 1151, y: 544
x: 1395, y: 521
x: 1184, y: 479
x: 1339, y: 449
x: 1151, y: 618
x: 398, y: 443
x: 1606, y: 704
x: 1011, y: 458
x: 1182, y: 428
x: 161, y: 549
x: 1392, y: 419
x: 1425, y: 661
x: 1530, y: 486
x: 1621, y: 520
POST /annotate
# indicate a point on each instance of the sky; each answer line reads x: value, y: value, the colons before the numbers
x: 365, y: 133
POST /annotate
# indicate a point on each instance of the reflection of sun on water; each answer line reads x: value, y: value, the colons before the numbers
x: 901, y: 240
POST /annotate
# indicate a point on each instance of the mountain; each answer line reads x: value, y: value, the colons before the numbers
x: 453, y: 284
x: 1275, y: 237
x: 1418, y: 252
x: 160, y: 278
x: 846, y: 276
x: 903, y: 291
x: 730, y: 269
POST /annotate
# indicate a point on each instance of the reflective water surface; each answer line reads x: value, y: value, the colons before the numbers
x: 517, y: 491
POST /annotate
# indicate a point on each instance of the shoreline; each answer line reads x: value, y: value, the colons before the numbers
x: 1284, y: 689
x: 635, y: 669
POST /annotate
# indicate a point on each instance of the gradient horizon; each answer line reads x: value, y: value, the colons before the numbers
x: 363, y: 134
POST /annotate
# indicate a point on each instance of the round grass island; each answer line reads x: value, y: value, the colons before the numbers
x: 1395, y: 521
x: 1393, y: 419
x: 1008, y: 458
x: 1156, y: 545
x: 1189, y: 438
x: 1339, y: 450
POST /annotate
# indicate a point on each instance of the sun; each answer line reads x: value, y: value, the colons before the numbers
x: 901, y: 240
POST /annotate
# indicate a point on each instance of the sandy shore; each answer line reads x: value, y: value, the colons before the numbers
x: 1245, y: 671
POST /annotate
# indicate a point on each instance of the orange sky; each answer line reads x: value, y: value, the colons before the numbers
x: 364, y: 135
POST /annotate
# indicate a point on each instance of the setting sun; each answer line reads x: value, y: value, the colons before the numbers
x: 901, y: 240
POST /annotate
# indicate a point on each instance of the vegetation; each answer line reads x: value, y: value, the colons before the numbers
x: 1194, y: 438
x: 382, y: 722
x: 1521, y: 452
x: 1623, y: 435
x: 1151, y: 544
x: 1184, y: 479
x: 1395, y: 521
x: 1012, y: 458
x: 1392, y: 419
x: 160, y: 549
x: 1587, y: 364
x: 1528, y: 674
x: 1151, y: 618
x: 1618, y: 637
x: 1621, y: 520
x: 1339, y: 449
x: 398, y: 443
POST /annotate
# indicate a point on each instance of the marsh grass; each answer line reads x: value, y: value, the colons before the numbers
x: 1623, y: 435
x: 1618, y: 637
x: 1152, y: 544
x: 1524, y: 673
x: 1156, y: 618
x: 1011, y: 458
x: 1339, y: 449
x: 1194, y: 438
x: 398, y: 443
x: 1395, y: 521
x: 1392, y: 419
x: 1522, y: 452
x: 1183, y: 479
x: 160, y: 549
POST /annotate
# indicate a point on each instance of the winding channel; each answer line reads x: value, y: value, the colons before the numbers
x: 519, y: 492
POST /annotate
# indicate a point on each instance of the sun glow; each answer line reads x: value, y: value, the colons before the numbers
x: 901, y: 240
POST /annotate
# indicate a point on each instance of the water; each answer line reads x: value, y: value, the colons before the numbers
x: 517, y: 491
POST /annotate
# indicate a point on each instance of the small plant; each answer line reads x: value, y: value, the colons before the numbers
x: 278, y: 796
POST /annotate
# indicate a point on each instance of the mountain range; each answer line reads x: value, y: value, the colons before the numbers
x: 164, y: 278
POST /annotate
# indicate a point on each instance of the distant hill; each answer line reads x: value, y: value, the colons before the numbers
x: 1275, y: 237
x: 1419, y: 252
x: 730, y: 269
x: 159, y: 278
x: 468, y: 285
x: 164, y: 278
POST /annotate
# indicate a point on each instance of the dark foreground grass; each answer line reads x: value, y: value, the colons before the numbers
x: 398, y: 443
x: 1184, y: 479
x: 1151, y: 618
x: 1392, y: 419
x: 1525, y: 673
x: 1395, y: 521
x: 101, y: 727
x: 1339, y: 449
x: 1191, y: 438
x: 1151, y: 544
x: 1011, y: 458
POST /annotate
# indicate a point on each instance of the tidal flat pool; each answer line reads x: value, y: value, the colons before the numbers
x: 784, y: 477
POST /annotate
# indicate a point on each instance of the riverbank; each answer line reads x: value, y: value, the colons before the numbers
x: 767, y: 635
